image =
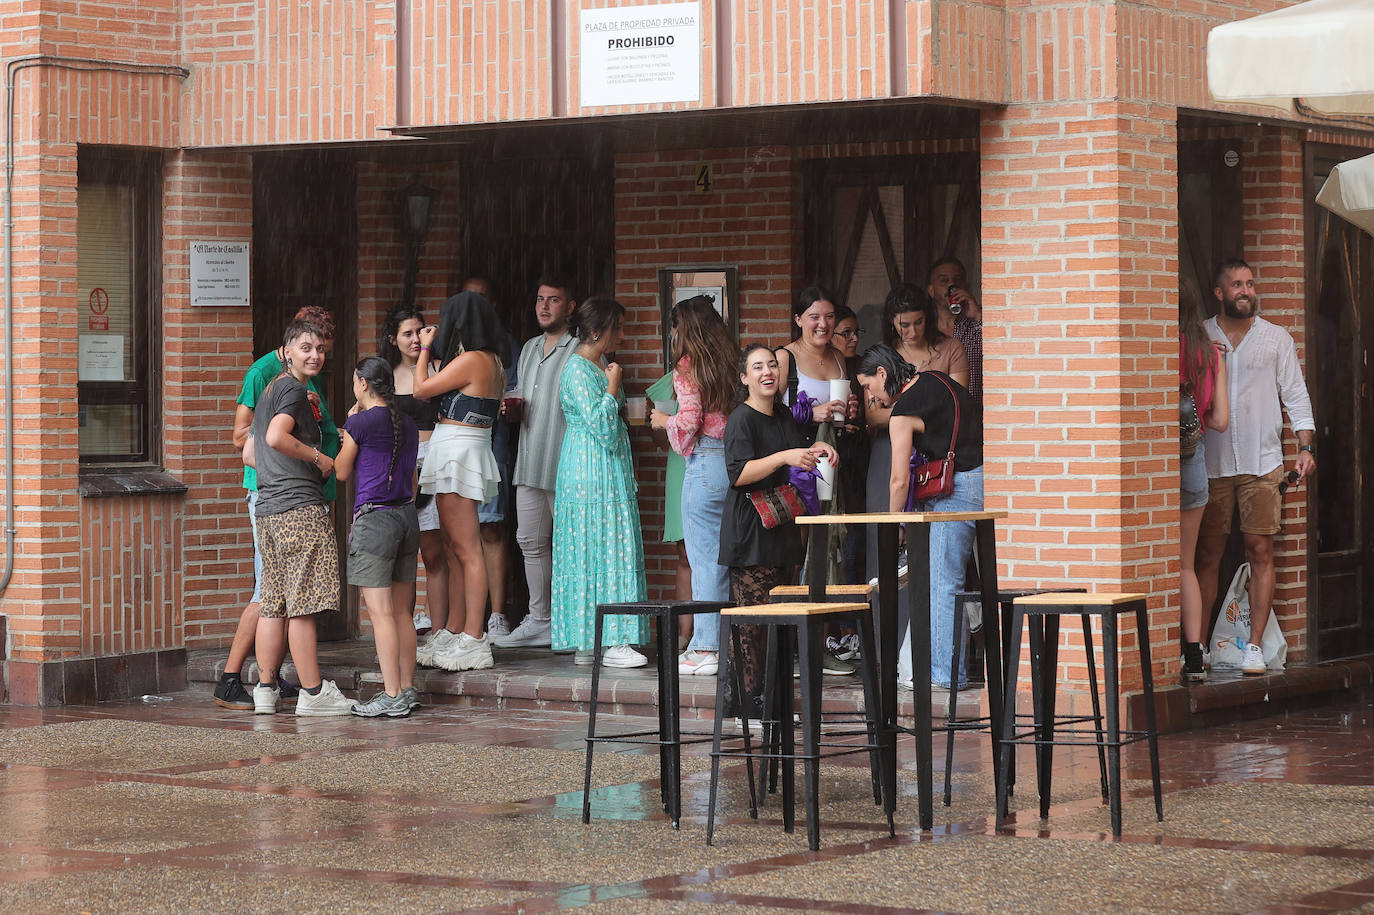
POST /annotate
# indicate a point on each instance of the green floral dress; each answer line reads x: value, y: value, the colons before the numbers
x: 598, y: 547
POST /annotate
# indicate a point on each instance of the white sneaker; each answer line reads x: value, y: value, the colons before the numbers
x: 622, y: 656
x: 265, y: 699
x: 531, y: 633
x: 698, y: 663
x: 437, y: 641
x: 1253, y: 665
x: 907, y: 683
x: 422, y: 621
x: 465, y: 653
x: 498, y: 627
x: 330, y: 703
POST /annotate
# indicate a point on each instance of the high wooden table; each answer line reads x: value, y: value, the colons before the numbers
x: 918, y: 602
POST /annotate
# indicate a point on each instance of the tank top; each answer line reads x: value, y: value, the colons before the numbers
x: 422, y: 411
x: 474, y: 411
x: 816, y: 388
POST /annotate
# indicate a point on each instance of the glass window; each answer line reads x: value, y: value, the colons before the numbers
x: 117, y: 247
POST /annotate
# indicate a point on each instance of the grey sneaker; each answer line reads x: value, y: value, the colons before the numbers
x: 265, y: 699
x: 330, y: 703
x: 412, y: 697
x: 397, y: 706
x: 832, y: 666
x: 531, y: 633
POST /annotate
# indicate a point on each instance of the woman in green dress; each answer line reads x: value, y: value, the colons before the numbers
x: 598, y: 550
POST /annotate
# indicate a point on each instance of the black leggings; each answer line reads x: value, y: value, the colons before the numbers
x: 749, y: 586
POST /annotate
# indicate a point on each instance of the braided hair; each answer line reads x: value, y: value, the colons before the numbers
x: 375, y: 371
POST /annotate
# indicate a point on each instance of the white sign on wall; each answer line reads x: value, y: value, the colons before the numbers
x: 638, y: 55
x: 219, y: 273
x: 100, y: 357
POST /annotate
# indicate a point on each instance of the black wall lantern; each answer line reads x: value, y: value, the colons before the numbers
x: 414, y: 203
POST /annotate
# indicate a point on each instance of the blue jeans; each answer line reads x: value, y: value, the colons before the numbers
x: 951, y: 544
x: 704, y: 485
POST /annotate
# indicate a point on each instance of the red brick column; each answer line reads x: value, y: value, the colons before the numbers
x: 1080, y: 334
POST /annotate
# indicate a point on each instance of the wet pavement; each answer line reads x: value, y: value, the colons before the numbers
x: 182, y: 806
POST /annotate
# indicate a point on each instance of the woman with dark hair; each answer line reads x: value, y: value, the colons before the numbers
x: 810, y: 362
x: 704, y: 379
x: 460, y: 469
x: 922, y: 406
x: 1203, y: 394
x: 911, y: 329
x: 761, y: 443
x: 380, y: 443
x: 598, y: 547
x: 400, y: 347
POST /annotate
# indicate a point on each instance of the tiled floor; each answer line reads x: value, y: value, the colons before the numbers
x: 182, y: 806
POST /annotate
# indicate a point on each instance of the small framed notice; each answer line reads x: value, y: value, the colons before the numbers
x: 219, y: 273
x: 640, y: 55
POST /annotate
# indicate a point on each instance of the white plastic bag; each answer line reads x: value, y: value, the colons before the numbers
x: 1232, y: 631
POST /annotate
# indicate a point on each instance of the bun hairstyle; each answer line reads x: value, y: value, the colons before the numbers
x: 376, y: 371
x: 906, y: 297
x: 596, y: 316
x: 386, y: 347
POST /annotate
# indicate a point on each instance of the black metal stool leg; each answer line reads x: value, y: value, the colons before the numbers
x: 786, y: 642
x: 591, y: 718
x: 723, y: 679
x: 868, y: 672
x: 809, y: 640
x: 955, y: 657
x: 1109, y: 644
x: 772, y: 738
x: 670, y: 698
x: 1147, y: 683
x: 1097, y: 704
x: 1048, y: 695
x: 1012, y: 645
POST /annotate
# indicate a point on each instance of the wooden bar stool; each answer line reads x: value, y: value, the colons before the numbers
x: 781, y: 594
x: 1044, y: 641
x: 968, y: 605
x: 668, y: 736
x: 806, y: 623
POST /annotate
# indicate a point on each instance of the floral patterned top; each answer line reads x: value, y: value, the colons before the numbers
x: 690, y: 422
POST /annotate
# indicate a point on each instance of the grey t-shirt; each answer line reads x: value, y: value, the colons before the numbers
x: 284, y: 482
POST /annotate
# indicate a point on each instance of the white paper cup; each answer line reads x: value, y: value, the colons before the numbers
x: 636, y: 410
x: 839, y: 390
x: 825, y: 478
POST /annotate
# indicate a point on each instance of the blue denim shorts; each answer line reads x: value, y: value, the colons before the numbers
x: 1193, y: 481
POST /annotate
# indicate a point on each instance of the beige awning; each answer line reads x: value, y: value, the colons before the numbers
x: 1321, y: 51
x: 1349, y: 192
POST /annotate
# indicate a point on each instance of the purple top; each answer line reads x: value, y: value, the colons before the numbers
x: 371, y: 429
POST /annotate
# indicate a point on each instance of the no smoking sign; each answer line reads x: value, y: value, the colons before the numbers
x: 100, y: 307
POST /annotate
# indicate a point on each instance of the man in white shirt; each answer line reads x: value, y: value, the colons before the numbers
x: 1245, y: 462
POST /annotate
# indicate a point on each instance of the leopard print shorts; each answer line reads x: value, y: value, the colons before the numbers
x: 300, y: 563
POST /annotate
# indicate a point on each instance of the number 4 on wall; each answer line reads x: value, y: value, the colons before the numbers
x: 704, y: 178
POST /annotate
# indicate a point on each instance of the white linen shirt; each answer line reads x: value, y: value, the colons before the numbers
x: 1263, y: 378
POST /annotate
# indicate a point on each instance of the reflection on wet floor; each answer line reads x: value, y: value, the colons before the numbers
x: 183, y: 806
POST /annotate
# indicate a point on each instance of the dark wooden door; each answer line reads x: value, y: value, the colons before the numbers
x: 1210, y: 201
x: 304, y: 244
x: 531, y: 208
x: 1341, y: 501
x: 873, y: 223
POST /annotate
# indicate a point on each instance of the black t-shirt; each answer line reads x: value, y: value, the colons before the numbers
x: 928, y: 399
x: 744, y: 542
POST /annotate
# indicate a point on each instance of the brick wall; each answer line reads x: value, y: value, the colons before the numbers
x: 750, y: 219
x: 131, y: 581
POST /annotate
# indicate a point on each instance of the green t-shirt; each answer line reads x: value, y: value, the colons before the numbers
x: 255, y: 381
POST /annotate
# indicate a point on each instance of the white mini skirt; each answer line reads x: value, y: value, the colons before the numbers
x: 459, y: 459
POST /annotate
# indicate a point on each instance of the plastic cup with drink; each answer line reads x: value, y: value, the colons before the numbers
x: 636, y: 410
x: 513, y: 405
x: 839, y: 390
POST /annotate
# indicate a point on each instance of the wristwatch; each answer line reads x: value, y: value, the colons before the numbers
x: 1309, y: 449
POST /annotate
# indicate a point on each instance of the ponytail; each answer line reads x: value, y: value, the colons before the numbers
x: 377, y: 373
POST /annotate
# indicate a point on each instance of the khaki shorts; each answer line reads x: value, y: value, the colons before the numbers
x: 1258, y: 498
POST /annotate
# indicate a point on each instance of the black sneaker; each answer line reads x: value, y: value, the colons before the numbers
x: 1193, y: 671
x: 288, y: 689
x: 229, y: 693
